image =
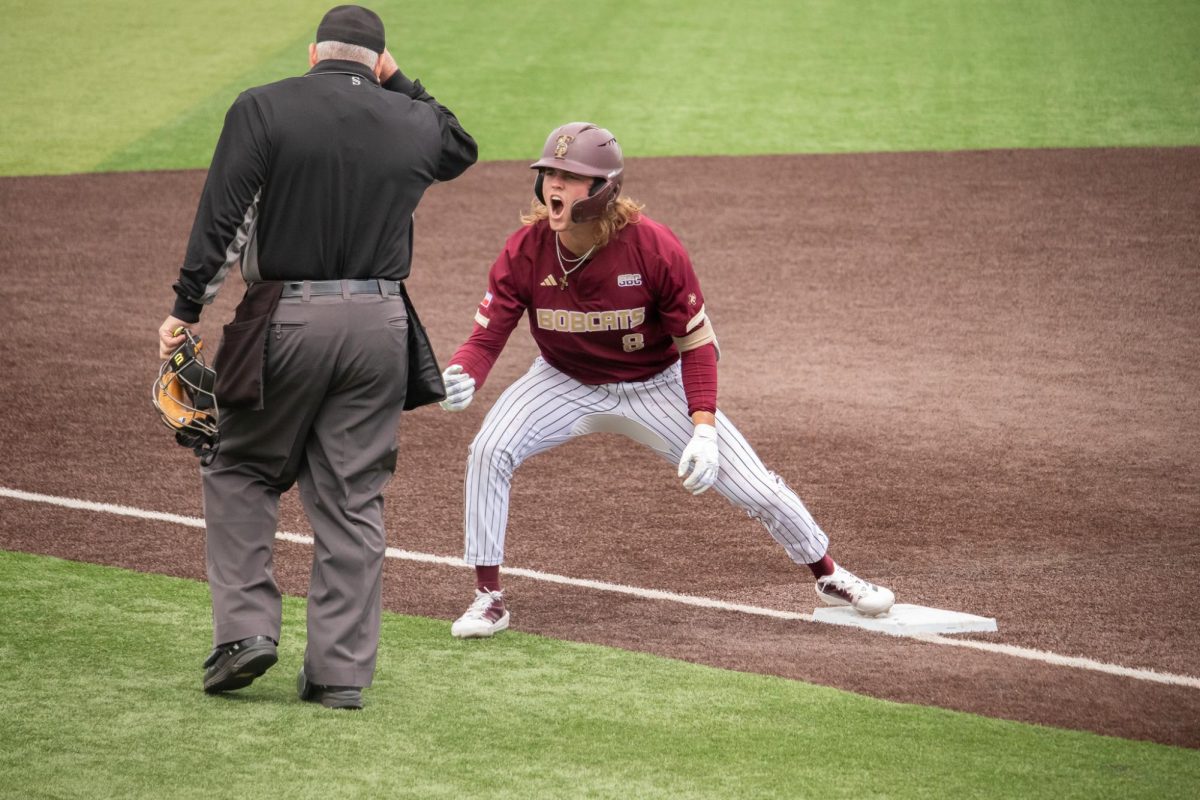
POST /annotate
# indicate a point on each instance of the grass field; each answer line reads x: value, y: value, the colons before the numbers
x: 102, y: 673
x: 145, y: 86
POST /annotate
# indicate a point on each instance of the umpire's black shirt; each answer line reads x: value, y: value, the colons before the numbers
x: 317, y: 178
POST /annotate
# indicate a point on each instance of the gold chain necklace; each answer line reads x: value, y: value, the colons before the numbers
x: 562, y: 262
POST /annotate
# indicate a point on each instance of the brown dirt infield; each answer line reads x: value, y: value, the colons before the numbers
x: 980, y: 371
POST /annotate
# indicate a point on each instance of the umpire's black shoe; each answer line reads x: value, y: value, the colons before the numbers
x: 349, y: 697
x: 235, y: 665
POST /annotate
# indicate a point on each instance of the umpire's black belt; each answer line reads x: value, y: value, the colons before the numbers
x: 381, y: 286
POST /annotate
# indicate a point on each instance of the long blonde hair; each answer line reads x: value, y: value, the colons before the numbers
x: 625, y: 211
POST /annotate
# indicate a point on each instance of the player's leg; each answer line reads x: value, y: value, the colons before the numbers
x: 537, y: 412
x: 746, y: 482
x: 661, y: 406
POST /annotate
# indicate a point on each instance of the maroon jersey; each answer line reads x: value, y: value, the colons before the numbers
x: 622, y: 316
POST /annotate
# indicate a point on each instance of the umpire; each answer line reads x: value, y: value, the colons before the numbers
x: 312, y: 187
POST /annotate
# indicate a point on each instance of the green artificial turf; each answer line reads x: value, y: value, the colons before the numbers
x: 126, y: 85
x: 101, y: 675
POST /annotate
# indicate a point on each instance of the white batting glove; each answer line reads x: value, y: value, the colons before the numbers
x: 460, y: 388
x: 699, y: 465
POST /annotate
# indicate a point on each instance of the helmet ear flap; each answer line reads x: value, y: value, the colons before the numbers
x: 597, y: 202
x: 537, y: 187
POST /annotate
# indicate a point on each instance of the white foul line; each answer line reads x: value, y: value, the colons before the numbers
x: 648, y: 594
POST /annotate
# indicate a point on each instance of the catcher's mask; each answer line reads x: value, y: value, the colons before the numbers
x: 588, y: 150
x: 183, y: 395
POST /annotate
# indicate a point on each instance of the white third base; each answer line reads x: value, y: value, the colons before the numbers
x: 904, y: 620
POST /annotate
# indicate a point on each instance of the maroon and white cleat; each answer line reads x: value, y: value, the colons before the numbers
x: 844, y: 588
x: 486, y: 616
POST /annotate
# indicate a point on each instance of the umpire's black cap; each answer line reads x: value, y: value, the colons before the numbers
x: 352, y: 25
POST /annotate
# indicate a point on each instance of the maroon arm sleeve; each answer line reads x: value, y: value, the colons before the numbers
x: 699, y: 368
x: 478, y: 354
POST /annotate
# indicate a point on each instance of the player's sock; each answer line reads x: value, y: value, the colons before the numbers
x: 819, y: 568
x: 487, y: 579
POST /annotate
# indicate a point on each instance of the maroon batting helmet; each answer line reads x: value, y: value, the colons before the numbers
x: 584, y: 149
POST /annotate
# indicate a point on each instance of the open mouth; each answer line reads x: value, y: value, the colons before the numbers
x: 556, y: 206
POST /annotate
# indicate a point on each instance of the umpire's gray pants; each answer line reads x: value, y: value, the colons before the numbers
x: 335, y: 380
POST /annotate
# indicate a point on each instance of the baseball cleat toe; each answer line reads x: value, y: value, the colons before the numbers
x: 844, y: 588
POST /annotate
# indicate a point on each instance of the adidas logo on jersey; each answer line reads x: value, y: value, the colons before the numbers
x: 550, y: 281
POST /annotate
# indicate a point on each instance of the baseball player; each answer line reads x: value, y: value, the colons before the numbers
x: 618, y: 315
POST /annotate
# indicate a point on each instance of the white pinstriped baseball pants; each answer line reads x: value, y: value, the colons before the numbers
x: 545, y: 408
